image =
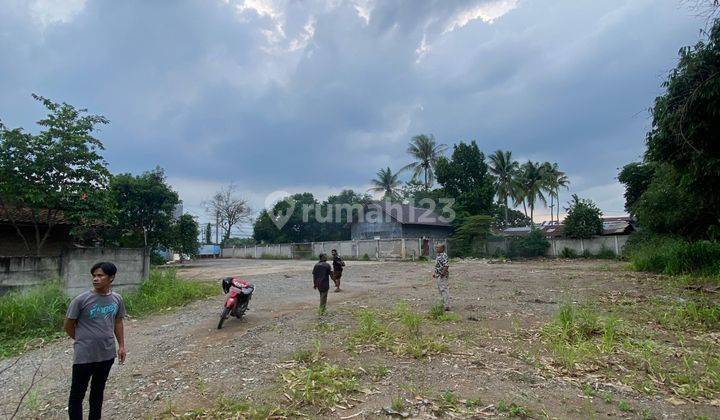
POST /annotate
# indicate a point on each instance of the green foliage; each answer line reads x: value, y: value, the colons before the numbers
x: 184, y: 236
x: 319, y: 384
x: 533, y: 245
x: 683, y: 195
x: 59, y: 169
x: 437, y: 312
x: 465, y: 177
x: 36, y: 312
x: 163, y: 289
x: 343, y: 207
x: 239, y: 242
x: 673, y: 255
x: 386, y: 182
x: 145, y: 205
x: 366, y: 257
x: 636, y: 177
x: 426, y: 153
x: 584, y: 219
x: 469, y: 237
x: 530, y: 184
x: 568, y: 253
x: 666, y: 207
x: 208, y: 234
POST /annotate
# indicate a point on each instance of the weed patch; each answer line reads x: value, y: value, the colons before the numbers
x: 163, y: 289
x: 29, y: 315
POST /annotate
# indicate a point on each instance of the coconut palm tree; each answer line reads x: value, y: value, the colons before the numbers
x: 561, y: 180
x: 426, y: 152
x: 504, y: 169
x: 386, y: 182
x: 531, y: 181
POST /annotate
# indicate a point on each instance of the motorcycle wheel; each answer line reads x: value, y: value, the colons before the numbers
x: 241, y: 310
x: 223, y: 317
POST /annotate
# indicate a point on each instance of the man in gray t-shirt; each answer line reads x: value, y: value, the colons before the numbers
x: 94, y: 320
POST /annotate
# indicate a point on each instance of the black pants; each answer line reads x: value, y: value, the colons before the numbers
x: 81, y: 375
x: 323, y: 301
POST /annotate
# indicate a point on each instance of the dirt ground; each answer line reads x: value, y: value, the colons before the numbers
x: 178, y: 361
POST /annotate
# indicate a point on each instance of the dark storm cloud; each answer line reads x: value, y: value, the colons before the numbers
x: 287, y: 94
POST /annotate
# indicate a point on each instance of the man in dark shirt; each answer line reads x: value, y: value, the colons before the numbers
x: 321, y: 281
x: 338, y: 265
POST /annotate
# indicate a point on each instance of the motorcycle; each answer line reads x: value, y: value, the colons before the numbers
x: 237, y: 303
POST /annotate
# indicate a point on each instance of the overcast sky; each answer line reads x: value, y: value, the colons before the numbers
x: 318, y: 95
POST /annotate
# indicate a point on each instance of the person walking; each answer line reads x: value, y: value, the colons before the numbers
x: 94, y: 320
x: 441, y: 274
x: 321, y: 281
x: 337, y: 264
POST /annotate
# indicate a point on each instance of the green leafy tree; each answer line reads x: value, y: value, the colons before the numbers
x: 468, y: 239
x: 208, y: 234
x: 637, y: 178
x: 145, y: 205
x: 504, y: 169
x: 584, y: 219
x: 339, y: 210
x: 535, y: 244
x: 184, y: 236
x: 682, y: 147
x: 55, y: 174
x: 465, y: 177
x: 387, y: 183
x: 426, y: 152
x: 530, y: 186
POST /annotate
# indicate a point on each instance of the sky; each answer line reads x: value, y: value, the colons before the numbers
x: 303, y: 95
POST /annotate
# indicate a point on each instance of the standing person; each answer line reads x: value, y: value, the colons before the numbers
x: 321, y: 281
x: 338, y: 265
x: 94, y: 320
x: 441, y: 274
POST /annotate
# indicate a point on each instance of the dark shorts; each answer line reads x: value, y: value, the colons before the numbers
x: 336, y: 275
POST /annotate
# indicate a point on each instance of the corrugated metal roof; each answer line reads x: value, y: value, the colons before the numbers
x: 409, y: 215
x: 24, y: 215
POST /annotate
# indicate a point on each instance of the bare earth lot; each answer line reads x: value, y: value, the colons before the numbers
x: 496, y: 354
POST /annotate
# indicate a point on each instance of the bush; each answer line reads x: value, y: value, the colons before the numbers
x: 568, y: 253
x: 606, y: 254
x: 533, y: 245
x: 673, y: 255
x: 583, y: 219
x: 366, y: 257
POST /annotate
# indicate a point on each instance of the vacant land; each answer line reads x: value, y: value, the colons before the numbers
x: 558, y: 339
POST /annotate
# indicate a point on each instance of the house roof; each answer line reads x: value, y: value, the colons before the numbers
x: 409, y: 215
x: 24, y: 215
x: 611, y: 226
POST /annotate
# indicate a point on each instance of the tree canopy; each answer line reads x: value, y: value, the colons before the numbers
x: 584, y: 219
x: 60, y: 170
x: 682, y: 160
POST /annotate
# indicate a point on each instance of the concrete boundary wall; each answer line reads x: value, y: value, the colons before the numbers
x: 72, y: 269
x: 615, y: 243
x: 375, y: 249
x: 407, y: 249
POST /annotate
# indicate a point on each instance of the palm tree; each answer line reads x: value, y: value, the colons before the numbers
x: 561, y: 180
x: 532, y: 182
x: 386, y: 182
x: 504, y: 169
x: 426, y: 152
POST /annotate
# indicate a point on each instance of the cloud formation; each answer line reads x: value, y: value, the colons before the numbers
x: 281, y: 95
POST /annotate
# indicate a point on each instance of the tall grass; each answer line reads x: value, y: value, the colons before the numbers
x: 163, y: 289
x: 672, y: 255
x: 36, y: 312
